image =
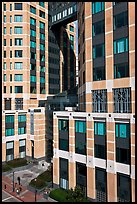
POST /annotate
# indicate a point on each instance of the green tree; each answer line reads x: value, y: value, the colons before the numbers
x: 76, y: 195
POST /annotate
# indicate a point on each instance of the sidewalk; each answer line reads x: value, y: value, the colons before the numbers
x: 25, y: 195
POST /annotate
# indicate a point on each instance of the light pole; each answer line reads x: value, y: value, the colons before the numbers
x: 13, y: 182
x: 35, y: 189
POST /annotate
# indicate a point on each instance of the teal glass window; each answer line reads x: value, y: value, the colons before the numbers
x: 18, y: 65
x: 18, y: 77
x: 18, y: 41
x: 18, y: 18
x: 10, y: 19
x: 42, y: 36
x: 42, y: 58
x: 32, y: 9
x: 32, y: 44
x: 100, y: 128
x: 18, y: 30
x: 5, y: 77
x: 42, y: 25
x: 5, y: 31
x: 80, y: 126
x: 32, y: 78
x: 42, y: 4
x: 121, y: 45
x: 21, y: 130
x: 42, y: 47
x: 21, y: 118
x: 5, y: 66
x: 4, y: 18
x: 33, y: 21
x: 98, y: 51
x: 63, y: 125
x: 9, y: 118
x: 71, y: 37
x: 18, y: 89
x: 122, y: 130
x: 71, y: 28
x: 42, y: 79
x: 33, y: 33
x: 9, y: 132
x: 42, y: 69
x: 97, y: 7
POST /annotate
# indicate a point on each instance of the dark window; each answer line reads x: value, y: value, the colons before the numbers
x: 10, y: 7
x: 10, y: 89
x: 84, y: 77
x: 4, y: 89
x: 98, y: 28
x: 18, y: 41
x: 18, y: 89
x: 98, y: 51
x: 121, y: 70
x: 99, y: 73
x: 18, y: 103
x: 10, y: 54
x: 100, y: 151
x: 63, y: 135
x: 7, y: 103
x: 121, y: 20
x: 10, y: 77
x: 99, y: 101
x: 21, y: 124
x: 4, y: 54
x: 123, y: 188
x: 122, y: 100
x: 80, y: 137
x: 32, y: 9
x: 18, y: 53
x: 4, y: 7
x: 4, y: 42
x: 81, y: 176
x: 63, y: 173
x: 9, y: 125
x: 10, y: 42
x: 123, y: 155
x: 42, y: 14
x: 18, y: 6
x: 83, y: 57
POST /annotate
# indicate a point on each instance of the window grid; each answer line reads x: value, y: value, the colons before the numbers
x: 99, y: 101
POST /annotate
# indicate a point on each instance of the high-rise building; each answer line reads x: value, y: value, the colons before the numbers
x: 31, y: 71
x: 95, y: 147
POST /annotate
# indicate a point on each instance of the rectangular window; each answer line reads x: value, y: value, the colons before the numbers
x: 18, y: 6
x: 10, y: 77
x: 121, y: 70
x: 18, y: 89
x: 32, y: 78
x: 98, y: 51
x: 21, y: 124
x: 100, y: 128
x: 42, y: 79
x: 32, y: 44
x: 32, y: 9
x: 42, y: 47
x: 18, y: 77
x: 18, y: 30
x: 18, y: 65
x: 4, y: 89
x: 5, y: 78
x: 98, y: 28
x: 122, y: 130
x: 72, y: 38
x: 18, y: 41
x: 4, y: 7
x: 63, y: 181
x: 122, y: 100
x: 10, y: 30
x: 42, y: 36
x: 121, y: 45
x: 97, y: 7
x: 18, y: 103
x: 42, y: 14
x: 10, y: 42
x: 80, y: 126
x: 33, y: 55
x: 80, y: 137
x: 4, y: 42
x: 4, y: 54
x: 123, y: 155
x: 18, y: 53
x: 10, y: 7
x: 42, y: 4
x: 10, y: 19
x: 33, y: 21
x: 10, y: 65
x: 9, y: 118
x: 10, y: 89
x: 21, y: 118
x: 9, y: 151
x: 33, y: 33
x: 63, y: 135
x: 98, y: 73
x: 9, y: 125
x: 18, y: 18
x: 99, y: 101
x: 4, y: 19
x: 121, y: 20
x: 7, y: 103
x: 5, y: 31
x: 81, y: 177
x: 32, y: 67
x: 4, y: 66
x: 22, y: 148
x: 42, y: 25
x: 71, y: 28
x: 10, y: 54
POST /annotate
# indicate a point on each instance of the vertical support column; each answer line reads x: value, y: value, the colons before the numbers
x: 16, y: 141
x: 91, y: 190
x: 133, y: 190
x: 111, y: 187
x: 72, y: 164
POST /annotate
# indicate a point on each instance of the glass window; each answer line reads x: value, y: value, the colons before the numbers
x: 32, y: 9
x: 5, y: 30
x: 42, y: 79
x: 33, y: 21
x: 21, y: 118
x: 21, y: 130
x: 42, y: 4
x: 4, y: 54
x: 4, y: 66
x: 9, y: 132
x: 121, y: 45
x: 10, y: 19
x: 18, y: 77
x: 80, y: 126
x: 42, y: 36
x: 18, y: 89
x: 18, y: 53
x: 99, y: 100
x: 18, y: 30
x: 10, y: 77
x: 18, y: 65
x: 98, y: 51
x: 32, y: 44
x: 18, y: 18
x: 4, y: 7
x: 4, y: 42
x: 71, y: 28
x: 71, y: 37
x: 18, y: 41
x: 33, y: 33
x: 10, y: 89
x: 4, y: 89
x: 9, y: 118
x: 10, y: 30
x: 5, y: 78
x: 42, y: 58
x: 33, y: 55
x: 97, y: 7
x: 10, y: 65
x: 22, y: 148
x: 10, y: 42
x: 63, y: 125
x: 121, y: 70
x: 42, y: 47
x: 100, y: 128
x: 42, y: 25
x: 10, y: 54
x: 98, y: 73
x: 42, y: 14
x: 98, y: 28
x: 121, y: 20
x: 4, y: 19
x: 100, y: 151
x: 18, y: 6
x: 18, y: 103
x: 122, y: 130
x: 10, y: 7
x: 32, y: 78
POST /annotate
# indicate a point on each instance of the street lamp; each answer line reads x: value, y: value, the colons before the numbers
x: 13, y: 182
x: 35, y: 188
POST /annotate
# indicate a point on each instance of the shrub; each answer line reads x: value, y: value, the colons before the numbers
x: 38, y: 183
x: 46, y: 176
x: 76, y: 195
x: 17, y: 162
x: 59, y: 195
x: 6, y: 167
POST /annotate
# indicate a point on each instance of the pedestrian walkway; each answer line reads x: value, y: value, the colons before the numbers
x: 25, y: 195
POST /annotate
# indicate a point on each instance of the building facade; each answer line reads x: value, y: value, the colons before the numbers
x: 31, y: 72
x: 95, y: 147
